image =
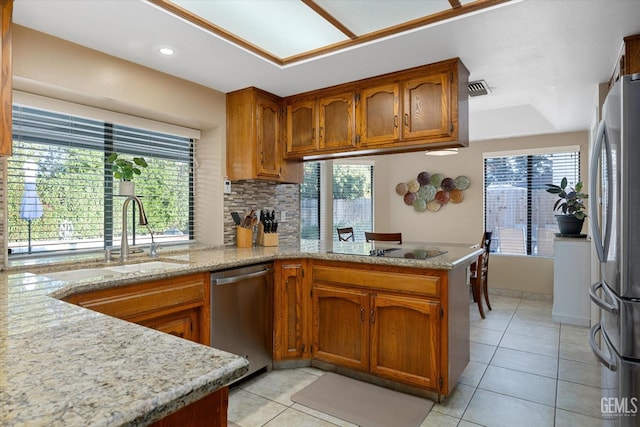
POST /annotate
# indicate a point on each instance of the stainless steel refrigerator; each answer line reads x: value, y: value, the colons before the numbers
x: 614, y: 178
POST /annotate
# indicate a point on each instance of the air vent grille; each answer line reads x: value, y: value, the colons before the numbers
x: 479, y: 88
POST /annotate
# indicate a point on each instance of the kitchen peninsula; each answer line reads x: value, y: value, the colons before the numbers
x: 69, y: 366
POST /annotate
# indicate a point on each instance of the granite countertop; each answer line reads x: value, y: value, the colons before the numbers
x: 63, y: 365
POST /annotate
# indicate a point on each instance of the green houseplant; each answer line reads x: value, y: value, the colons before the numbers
x: 570, y: 204
x: 124, y: 170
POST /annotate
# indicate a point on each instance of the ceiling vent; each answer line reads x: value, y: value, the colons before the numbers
x: 479, y: 88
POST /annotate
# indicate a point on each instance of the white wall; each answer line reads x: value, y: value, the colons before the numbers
x: 463, y: 223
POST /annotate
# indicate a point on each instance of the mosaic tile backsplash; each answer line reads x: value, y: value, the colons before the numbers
x: 250, y: 194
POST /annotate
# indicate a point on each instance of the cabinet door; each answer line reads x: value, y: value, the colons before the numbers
x: 336, y: 121
x: 178, y: 305
x: 427, y: 109
x: 410, y: 354
x: 301, y: 127
x: 6, y: 129
x: 268, y: 137
x: 341, y: 327
x: 290, y: 311
x: 183, y: 324
x: 378, y: 111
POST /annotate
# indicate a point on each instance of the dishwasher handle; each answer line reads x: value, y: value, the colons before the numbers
x: 240, y: 278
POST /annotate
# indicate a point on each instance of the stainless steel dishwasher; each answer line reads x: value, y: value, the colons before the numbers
x: 241, y: 313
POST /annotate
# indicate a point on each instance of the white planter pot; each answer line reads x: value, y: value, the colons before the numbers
x: 127, y: 188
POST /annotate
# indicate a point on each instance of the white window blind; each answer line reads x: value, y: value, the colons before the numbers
x: 518, y: 210
x: 61, y: 192
x: 348, y: 197
x: 310, y: 206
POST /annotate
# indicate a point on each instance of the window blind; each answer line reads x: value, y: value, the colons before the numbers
x: 518, y: 209
x: 310, y: 206
x: 61, y: 191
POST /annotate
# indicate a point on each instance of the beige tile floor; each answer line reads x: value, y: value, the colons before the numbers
x: 525, y: 370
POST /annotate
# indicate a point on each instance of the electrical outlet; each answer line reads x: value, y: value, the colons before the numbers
x: 283, y: 216
x: 227, y: 186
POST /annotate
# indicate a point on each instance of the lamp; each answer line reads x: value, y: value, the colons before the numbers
x: 442, y: 152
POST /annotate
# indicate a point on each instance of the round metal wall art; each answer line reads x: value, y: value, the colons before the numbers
x: 429, y: 192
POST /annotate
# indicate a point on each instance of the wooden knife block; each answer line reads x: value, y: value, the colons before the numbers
x: 244, y: 237
x: 266, y: 239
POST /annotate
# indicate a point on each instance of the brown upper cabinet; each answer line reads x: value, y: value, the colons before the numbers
x: 255, y: 138
x: 408, y: 110
x: 320, y: 124
x: 411, y: 110
x: 301, y: 127
x: 378, y: 111
x: 628, y: 59
x: 426, y: 112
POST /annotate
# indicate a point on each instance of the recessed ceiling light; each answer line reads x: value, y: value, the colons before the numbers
x: 165, y: 50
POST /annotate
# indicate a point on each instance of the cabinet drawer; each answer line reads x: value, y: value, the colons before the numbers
x: 383, y: 280
x: 134, y: 300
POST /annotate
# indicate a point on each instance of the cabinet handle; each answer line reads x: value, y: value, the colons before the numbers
x: 373, y: 316
x: 395, y: 121
x: 313, y: 133
x: 321, y: 130
x: 361, y: 314
x: 406, y: 120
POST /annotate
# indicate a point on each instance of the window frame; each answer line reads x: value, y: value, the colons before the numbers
x: 529, y: 155
x: 121, y: 143
x: 327, y: 230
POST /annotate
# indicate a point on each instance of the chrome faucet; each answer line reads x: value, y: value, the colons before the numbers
x: 124, y: 243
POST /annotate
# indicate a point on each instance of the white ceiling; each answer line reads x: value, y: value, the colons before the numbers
x: 543, y: 59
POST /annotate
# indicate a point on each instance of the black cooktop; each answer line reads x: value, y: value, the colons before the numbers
x: 406, y: 253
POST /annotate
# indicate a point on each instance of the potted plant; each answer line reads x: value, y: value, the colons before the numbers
x: 124, y: 170
x: 571, y: 205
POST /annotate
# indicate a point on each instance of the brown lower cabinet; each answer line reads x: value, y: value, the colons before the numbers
x: 210, y: 411
x: 408, y: 325
x: 292, y: 311
x: 178, y: 306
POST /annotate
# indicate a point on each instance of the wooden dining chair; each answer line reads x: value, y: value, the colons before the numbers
x: 346, y: 234
x: 383, y: 237
x: 480, y: 274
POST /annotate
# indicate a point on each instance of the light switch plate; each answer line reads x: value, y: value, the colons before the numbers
x: 227, y: 186
x: 283, y: 216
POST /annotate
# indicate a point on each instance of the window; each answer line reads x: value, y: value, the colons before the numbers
x: 518, y: 209
x: 349, y: 199
x: 310, y: 202
x: 61, y: 192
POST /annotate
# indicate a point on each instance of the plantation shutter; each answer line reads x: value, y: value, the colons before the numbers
x: 518, y: 209
x: 60, y: 191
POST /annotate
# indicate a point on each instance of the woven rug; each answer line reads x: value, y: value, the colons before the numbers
x: 364, y: 404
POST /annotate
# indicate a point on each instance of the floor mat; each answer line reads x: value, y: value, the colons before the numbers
x: 361, y: 403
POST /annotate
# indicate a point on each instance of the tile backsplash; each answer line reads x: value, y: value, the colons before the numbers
x: 250, y: 194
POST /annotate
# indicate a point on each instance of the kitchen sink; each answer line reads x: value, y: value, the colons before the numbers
x: 85, y: 273
x: 143, y: 266
x: 111, y: 271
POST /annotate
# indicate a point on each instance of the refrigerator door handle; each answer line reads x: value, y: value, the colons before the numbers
x: 611, y: 308
x: 601, y: 138
x: 610, y: 364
